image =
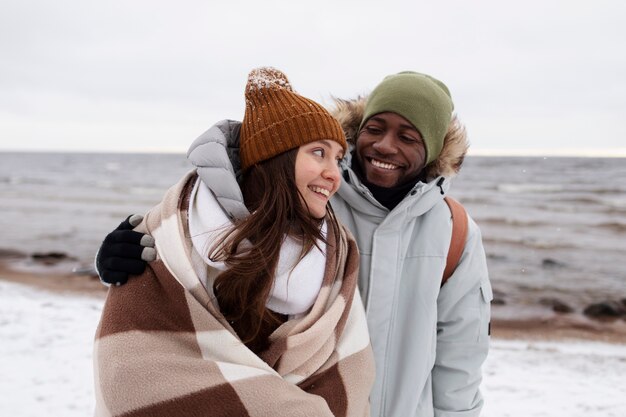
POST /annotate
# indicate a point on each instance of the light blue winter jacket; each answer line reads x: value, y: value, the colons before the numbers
x: 429, y: 342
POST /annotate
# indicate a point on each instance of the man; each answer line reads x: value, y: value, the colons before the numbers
x: 429, y: 340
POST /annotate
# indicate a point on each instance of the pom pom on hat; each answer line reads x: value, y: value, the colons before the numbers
x: 266, y: 78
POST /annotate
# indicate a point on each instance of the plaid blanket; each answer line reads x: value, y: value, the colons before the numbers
x: 162, y: 347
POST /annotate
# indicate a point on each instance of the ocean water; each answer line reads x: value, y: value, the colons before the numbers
x: 68, y: 202
x: 552, y: 227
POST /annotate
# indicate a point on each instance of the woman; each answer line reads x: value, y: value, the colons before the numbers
x: 251, y: 307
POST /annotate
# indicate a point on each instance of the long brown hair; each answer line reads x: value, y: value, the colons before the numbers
x: 276, y: 210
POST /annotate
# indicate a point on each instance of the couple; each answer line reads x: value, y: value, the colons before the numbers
x: 251, y: 307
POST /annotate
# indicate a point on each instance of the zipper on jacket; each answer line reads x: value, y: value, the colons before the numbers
x: 440, y: 185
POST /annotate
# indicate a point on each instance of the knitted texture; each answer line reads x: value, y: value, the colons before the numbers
x: 278, y: 119
x: 421, y: 99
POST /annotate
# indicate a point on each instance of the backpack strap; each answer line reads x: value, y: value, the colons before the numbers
x: 459, y: 235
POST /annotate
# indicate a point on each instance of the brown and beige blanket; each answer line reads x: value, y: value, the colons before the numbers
x: 163, y: 349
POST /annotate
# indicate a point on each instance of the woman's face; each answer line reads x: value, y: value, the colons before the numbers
x: 317, y: 174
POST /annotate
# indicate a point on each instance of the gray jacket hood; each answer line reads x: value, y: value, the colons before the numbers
x: 215, y: 154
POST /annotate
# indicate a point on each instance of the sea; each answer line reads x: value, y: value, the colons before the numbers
x: 553, y: 227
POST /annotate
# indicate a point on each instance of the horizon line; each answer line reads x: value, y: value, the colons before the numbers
x: 550, y: 152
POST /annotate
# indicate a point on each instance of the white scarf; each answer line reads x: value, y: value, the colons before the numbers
x: 296, y: 284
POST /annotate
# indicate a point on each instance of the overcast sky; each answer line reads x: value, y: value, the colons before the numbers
x: 139, y: 75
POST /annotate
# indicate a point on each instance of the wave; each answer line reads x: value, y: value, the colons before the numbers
x: 20, y: 180
x: 611, y: 191
x: 54, y: 181
x: 613, y: 226
x: 500, y: 221
x: 615, y: 201
x: 529, y: 188
x: 527, y: 243
x: 571, y: 187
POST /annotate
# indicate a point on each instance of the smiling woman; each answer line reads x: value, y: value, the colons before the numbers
x: 258, y: 272
x: 317, y: 174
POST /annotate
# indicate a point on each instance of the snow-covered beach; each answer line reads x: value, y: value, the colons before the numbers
x: 46, y: 349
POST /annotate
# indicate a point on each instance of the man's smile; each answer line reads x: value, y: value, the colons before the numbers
x: 382, y: 165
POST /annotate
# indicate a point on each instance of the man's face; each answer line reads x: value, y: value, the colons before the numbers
x: 390, y: 150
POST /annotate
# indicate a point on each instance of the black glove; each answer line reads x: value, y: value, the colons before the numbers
x: 124, y: 252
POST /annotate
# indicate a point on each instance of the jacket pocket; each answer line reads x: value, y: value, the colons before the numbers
x: 486, y: 291
x: 485, y: 309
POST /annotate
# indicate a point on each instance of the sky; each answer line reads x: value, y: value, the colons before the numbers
x: 532, y: 77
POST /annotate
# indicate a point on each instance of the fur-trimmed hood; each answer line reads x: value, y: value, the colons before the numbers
x: 455, y: 144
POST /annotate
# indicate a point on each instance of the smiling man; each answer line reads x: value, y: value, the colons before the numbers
x: 429, y: 340
x: 390, y: 150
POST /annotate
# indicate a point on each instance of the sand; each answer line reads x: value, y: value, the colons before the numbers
x: 537, y: 325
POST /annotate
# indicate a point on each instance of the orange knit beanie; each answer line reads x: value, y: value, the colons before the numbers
x: 278, y: 119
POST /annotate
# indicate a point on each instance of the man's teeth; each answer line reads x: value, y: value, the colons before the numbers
x: 383, y: 165
x: 320, y: 190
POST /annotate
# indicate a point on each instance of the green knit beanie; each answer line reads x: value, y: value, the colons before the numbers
x: 421, y: 99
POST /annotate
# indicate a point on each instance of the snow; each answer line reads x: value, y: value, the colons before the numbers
x: 555, y: 379
x: 267, y: 77
x: 46, y: 347
x: 45, y: 352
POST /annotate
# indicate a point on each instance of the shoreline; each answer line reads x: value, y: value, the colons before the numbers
x: 541, y: 326
x: 53, y: 279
